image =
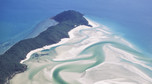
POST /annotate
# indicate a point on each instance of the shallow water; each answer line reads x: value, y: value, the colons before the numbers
x: 130, y: 18
x: 90, y: 56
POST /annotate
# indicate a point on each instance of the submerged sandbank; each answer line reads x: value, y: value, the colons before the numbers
x: 91, y: 55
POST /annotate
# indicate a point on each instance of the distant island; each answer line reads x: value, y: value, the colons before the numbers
x: 10, y: 60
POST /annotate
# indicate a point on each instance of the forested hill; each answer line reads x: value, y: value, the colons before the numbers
x: 10, y: 60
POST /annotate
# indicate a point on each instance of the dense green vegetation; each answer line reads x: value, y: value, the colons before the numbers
x: 71, y: 17
x: 10, y: 60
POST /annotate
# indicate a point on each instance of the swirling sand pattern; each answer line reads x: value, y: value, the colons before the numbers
x: 92, y: 55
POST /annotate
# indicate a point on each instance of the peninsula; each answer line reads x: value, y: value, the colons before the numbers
x: 10, y: 60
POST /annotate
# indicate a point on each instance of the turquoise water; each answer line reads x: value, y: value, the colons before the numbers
x: 92, y: 58
x: 132, y: 19
x: 93, y: 55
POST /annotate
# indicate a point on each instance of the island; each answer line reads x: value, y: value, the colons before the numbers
x: 10, y: 60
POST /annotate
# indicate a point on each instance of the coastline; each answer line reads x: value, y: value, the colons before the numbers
x: 91, y: 22
x: 10, y: 60
x: 113, y: 58
x: 60, y: 42
x: 70, y: 33
x: 41, y: 26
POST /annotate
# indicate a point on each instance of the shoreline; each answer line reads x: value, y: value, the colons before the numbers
x: 52, y: 35
x: 70, y: 34
x: 113, y: 55
x: 49, y: 46
x: 60, y: 42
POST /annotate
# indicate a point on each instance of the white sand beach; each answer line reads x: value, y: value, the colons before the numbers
x: 91, y: 55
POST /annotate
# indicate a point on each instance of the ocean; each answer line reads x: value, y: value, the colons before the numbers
x: 91, y: 55
x: 118, y: 51
x: 131, y: 19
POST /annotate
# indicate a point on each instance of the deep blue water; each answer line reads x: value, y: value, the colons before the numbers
x: 129, y: 18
